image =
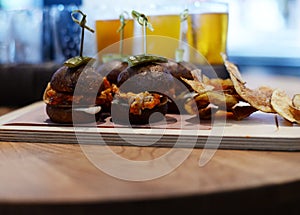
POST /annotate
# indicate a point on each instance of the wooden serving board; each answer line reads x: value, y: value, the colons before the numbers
x: 258, y: 132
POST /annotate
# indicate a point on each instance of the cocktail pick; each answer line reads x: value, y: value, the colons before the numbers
x: 143, y: 21
x: 144, y: 58
x: 123, y: 16
x: 180, y: 51
x: 79, y: 60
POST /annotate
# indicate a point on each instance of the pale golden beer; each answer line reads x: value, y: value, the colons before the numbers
x: 207, y: 30
x: 208, y: 34
x: 106, y: 32
x: 167, y: 26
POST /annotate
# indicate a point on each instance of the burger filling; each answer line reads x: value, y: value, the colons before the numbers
x: 53, y: 97
x: 139, y: 102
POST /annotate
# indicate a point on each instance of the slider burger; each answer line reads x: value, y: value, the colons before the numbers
x: 145, y: 87
x: 76, y: 91
x: 93, y: 94
x: 133, y: 106
x: 157, y: 74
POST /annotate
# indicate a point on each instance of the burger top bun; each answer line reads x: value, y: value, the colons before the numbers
x: 152, y: 76
x: 65, y: 79
x: 112, y: 69
x: 180, y: 69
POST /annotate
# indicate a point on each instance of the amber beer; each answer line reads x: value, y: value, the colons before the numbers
x: 106, y: 32
x: 208, y: 34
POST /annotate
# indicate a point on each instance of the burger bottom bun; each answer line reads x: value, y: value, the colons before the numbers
x: 67, y: 116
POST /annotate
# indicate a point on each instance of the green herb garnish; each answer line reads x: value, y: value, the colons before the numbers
x: 78, y: 61
x: 141, y: 59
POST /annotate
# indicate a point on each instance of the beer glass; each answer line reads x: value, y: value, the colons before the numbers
x: 207, y: 31
x: 167, y: 25
x: 107, y: 32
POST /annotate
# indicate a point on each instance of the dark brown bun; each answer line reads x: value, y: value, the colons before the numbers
x: 65, y: 79
x: 112, y: 69
x: 180, y: 69
x: 153, y: 77
x: 63, y: 114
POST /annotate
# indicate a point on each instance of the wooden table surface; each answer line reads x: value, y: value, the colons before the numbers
x: 39, y: 175
x: 37, y: 178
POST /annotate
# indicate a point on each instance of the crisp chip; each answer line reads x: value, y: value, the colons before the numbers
x: 198, y: 86
x: 296, y: 101
x: 222, y: 100
x: 208, y: 112
x: 259, y: 98
x: 207, y: 95
x: 242, y: 112
x: 281, y: 103
x: 295, y: 107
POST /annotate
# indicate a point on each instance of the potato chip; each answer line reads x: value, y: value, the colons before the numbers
x: 296, y: 101
x: 295, y: 107
x: 207, y: 95
x: 259, y: 98
x: 233, y: 71
x: 222, y: 100
x: 208, y: 112
x: 281, y: 103
x: 202, y: 100
x: 295, y: 112
x: 191, y: 107
x: 219, y: 84
x: 198, y: 86
x: 242, y: 112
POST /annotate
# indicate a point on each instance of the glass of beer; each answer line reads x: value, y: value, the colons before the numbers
x: 167, y: 25
x: 207, y: 31
x: 107, y: 32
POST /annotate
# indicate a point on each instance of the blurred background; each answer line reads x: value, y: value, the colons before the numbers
x: 260, y: 31
x: 37, y: 33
